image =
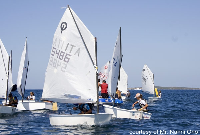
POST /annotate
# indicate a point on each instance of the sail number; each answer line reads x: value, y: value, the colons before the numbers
x: 59, y: 59
x: 60, y: 55
x: 114, y: 62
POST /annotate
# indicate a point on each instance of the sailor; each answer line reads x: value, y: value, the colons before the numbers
x: 13, y: 101
x: 118, y: 94
x: 142, y: 103
x: 128, y: 94
x: 104, y: 89
x: 159, y: 94
x: 84, y: 108
x: 31, y: 97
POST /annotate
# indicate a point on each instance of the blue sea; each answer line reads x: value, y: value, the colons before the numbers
x: 177, y: 113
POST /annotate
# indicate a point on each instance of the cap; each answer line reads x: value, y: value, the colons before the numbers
x: 137, y: 95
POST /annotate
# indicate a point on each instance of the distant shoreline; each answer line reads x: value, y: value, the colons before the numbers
x: 171, y: 88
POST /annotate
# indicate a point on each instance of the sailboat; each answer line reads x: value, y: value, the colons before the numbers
x: 24, y: 104
x: 71, y: 75
x: 113, y: 79
x: 148, y: 83
x: 123, y: 83
x: 104, y: 72
x: 5, y: 79
x: 114, y: 73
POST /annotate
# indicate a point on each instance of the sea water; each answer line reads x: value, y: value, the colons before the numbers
x: 177, y: 113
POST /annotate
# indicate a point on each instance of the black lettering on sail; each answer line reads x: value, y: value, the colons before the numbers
x: 77, y: 52
x: 72, y: 46
x: 66, y: 46
x: 144, y: 79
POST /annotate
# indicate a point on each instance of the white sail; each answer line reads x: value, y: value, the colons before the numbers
x: 71, y: 74
x: 147, y: 80
x: 3, y: 70
x: 123, y: 82
x: 23, y: 70
x: 10, y: 82
x: 104, y: 72
x: 115, y: 65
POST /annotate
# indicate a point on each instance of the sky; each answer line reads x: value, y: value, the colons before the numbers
x: 165, y: 35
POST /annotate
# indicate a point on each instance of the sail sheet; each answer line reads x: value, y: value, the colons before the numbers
x: 115, y: 65
x: 23, y: 70
x: 123, y: 82
x: 71, y: 74
x: 104, y: 72
x: 3, y: 70
x: 147, y: 80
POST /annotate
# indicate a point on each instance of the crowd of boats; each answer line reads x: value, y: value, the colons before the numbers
x: 72, y: 77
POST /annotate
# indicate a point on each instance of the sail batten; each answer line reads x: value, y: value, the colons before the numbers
x: 147, y: 80
x: 70, y: 72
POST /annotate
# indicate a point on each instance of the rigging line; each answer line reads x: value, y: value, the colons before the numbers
x: 81, y: 36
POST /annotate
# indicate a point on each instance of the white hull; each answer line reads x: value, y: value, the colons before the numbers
x: 146, y: 115
x: 123, y: 97
x: 28, y: 105
x: 152, y: 99
x: 80, y: 119
x: 123, y: 113
x: 7, y: 110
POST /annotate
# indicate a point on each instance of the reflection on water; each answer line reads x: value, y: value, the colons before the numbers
x: 177, y: 110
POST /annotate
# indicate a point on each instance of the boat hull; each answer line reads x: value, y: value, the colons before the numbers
x: 123, y: 113
x: 7, y: 110
x: 146, y: 115
x: 109, y: 101
x: 28, y: 105
x: 123, y: 98
x: 153, y: 99
x: 79, y: 119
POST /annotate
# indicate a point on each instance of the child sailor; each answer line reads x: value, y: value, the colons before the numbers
x: 31, y: 97
x: 142, y: 103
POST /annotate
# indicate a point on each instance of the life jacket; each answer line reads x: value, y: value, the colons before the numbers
x: 91, y: 105
x: 116, y: 94
x: 104, y: 88
x: 31, y: 97
x: 142, y: 103
x: 11, y: 100
x: 84, y: 107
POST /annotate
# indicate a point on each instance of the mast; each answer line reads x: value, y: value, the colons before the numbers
x: 7, y: 80
x: 120, y: 53
x: 97, y: 76
x: 154, y: 87
x: 11, y: 60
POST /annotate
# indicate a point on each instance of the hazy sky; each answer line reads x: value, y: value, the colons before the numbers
x: 165, y: 35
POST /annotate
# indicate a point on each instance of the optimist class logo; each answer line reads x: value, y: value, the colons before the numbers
x: 63, y: 26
